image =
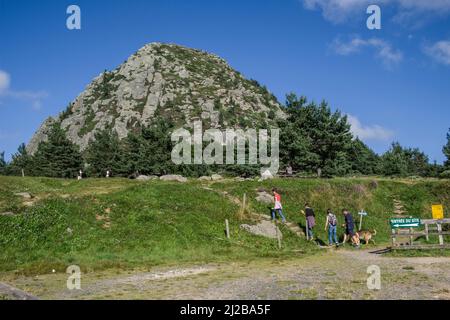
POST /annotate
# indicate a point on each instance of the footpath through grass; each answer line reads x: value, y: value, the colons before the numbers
x: 108, y: 223
x: 117, y: 223
x: 375, y: 196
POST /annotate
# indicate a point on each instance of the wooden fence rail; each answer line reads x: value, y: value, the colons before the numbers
x: 429, y: 231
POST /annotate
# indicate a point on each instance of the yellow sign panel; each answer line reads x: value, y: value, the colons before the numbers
x: 438, y: 211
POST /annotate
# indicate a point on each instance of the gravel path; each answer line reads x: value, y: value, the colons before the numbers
x: 334, y: 274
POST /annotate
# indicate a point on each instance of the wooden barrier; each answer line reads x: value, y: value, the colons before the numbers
x: 427, y: 232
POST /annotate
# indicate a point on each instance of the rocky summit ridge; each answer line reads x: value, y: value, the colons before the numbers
x: 169, y: 81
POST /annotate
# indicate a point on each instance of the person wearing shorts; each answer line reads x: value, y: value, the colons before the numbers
x: 349, y: 228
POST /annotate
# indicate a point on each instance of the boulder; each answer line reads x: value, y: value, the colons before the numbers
x: 266, y: 175
x: 173, y: 177
x: 146, y: 178
x: 264, y: 197
x: 8, y: 213
x: 204, y: 178
x: 264, y: 228
x: 216, y: 177
x: 24, y: 195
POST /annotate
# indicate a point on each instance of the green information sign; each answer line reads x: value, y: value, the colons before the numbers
x: 405, y: 223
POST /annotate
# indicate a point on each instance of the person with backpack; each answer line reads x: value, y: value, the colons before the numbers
x: 331, y: 224
x: 277, y: 206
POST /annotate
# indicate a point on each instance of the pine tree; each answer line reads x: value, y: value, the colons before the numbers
x: 21, y: 160
x: 156, y: 149
x: 130, y: 149
x: 2, y: 163
x: 313, y: 137
x: 399, y: 161
x: 57, y: 157
x: 446, y: 151
x: 103, y: 153
x: 394, y: 163
x: 363, y: 160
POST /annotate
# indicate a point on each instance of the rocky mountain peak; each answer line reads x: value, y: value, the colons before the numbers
x: 169, y: 81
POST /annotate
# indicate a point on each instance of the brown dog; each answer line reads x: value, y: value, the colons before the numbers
x: 367, y: 235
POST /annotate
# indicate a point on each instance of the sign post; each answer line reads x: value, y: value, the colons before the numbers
x: 404, y: 223
x: 362, y: 213
x: 401, y: 223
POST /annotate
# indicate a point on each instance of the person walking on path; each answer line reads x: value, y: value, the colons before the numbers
x: 310, y: 220
x: 350, y: 228
x: 331, y: 225
x: 277, y: 206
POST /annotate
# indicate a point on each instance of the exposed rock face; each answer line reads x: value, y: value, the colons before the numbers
x: 40, y: 135
x: 264, y: 228
x: 169, y: 81
x: 264, y: 197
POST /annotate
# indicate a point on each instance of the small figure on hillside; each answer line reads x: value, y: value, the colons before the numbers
x: 277, y: 206
x: 350, y: 228
x: 331, y: 224
x: 80, y: 175
x: 310, y: 220
x: 108, y: 173
x: 289, y: 171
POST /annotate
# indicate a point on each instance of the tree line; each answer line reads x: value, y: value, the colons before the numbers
x: 313, y: 139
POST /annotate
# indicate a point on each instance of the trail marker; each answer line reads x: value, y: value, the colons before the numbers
x: 397, y: 223
x: 362, y: 214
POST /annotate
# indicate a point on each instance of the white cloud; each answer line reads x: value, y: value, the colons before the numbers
x: 33, y: 97
x: 5, y: 81
x: 406, y: 11
x: 383, y: 50
x: 373, y: 132
x: 439, y: 51
x: 337, y: 11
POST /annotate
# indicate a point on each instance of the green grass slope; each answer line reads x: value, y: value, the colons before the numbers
x: 99, y: 223
x: 121, y: 223
x: 375, y: 196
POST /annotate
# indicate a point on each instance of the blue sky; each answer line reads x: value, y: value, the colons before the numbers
x: 393, y: 83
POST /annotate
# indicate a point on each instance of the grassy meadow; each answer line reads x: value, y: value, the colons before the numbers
x: 107, y: 223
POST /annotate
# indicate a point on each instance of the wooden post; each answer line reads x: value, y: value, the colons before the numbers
x: 278, y: 235
x: 307, y: 232
x: 393, y: 238
x: 426, y: 232
x: 411, y: 237
x: 244, y: 203
x: 227, y: 228
x: 360, y: 221
x: 441, y: 238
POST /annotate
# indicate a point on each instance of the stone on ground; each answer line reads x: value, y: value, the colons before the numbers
x: 24, y: 195
x: 264, y: 197
x: 173, y: 177
x: 264, y: 228
x: 146, y: 178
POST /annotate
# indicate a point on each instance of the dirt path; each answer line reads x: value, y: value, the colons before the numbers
x: 338, y: 274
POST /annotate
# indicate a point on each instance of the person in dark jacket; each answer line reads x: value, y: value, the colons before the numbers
x: 310, y: 220
x: 349, y: 228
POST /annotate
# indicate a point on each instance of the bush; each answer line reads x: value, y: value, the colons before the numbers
x: 445, y: 174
